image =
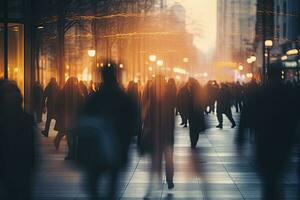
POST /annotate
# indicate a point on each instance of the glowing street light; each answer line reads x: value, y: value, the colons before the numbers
x: 241, y: 67
x: 253, y: 58
x: 283, y: 58
x: 160, y: 63
x: 121, y: 66
x: 205, y: 74
x: 150, y: 69
x: 40, y: 27
x: 91, y: 52
x: 152, y: 58
x: 249, y: 60
x: 292, y: 52
x: 185, y: 60
x: 269, y: 43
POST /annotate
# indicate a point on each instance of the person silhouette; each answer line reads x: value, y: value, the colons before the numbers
x: 17, y: 145
x: 104, y: 129
x: 195, y: 111
x: 224, y: 105
x: 158, y: 128
x: 275, y: 129
x: 49, y: 100
x: 69, y: 103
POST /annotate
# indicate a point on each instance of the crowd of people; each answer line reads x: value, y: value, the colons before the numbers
x: 99, y: 124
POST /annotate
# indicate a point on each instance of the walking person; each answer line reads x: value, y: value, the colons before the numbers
x: 105, y: 128
x: 182, y: 104
x: 69, y: 102
x: 224, y: 106
x: 17, y: 145
x: 158, y: 128
x: 49, y: 101
x: 195, y: 111
x: 275, y: 130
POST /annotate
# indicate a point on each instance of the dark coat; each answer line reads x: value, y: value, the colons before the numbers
x: 111, y: 103
x: 224, y: 100
x: 195, y: 107
x: 158, y: 115
x: 70, y: 101
x: 50, y: 97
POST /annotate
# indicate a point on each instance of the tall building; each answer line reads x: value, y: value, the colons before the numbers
x: 236, y: 25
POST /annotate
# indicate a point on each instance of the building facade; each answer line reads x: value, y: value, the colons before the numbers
x: 15, y: 44
x: 236, y: 25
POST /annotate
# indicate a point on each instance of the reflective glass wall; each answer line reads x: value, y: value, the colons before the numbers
x: 15, y: 53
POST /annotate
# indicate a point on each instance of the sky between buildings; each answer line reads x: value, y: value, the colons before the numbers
x: 201, y: 16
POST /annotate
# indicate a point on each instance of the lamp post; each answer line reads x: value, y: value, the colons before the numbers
x: 92, y: 54
x: 268, y: 45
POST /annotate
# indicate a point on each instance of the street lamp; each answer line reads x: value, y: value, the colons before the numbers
x: 292, y: 52
x: 91, y: 52
x: 185, y: 60
x: 160, y: 63
x: 121, y: 66
x: 241, y: 67
x: 253, y: 58
x: 269, y: 45
x: 152, y: 58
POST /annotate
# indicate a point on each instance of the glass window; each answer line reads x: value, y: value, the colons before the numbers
x: 16, y: 54
x: 1, y: 50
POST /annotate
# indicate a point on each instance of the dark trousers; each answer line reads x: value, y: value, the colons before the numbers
x: 169, y: 163
x: 48, y: 122
x: 238, y: 105
x: 228, y: 115
x: 194, y: 137
x: 93, y: 176
x: 184, y: 118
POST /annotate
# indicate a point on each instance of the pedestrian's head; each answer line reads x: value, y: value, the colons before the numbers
x: 109, y: 73
x: 53, y: 80
x: 10, y: 97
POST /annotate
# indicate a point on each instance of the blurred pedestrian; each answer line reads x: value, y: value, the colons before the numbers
x: 37, y: 101
x: 49, y: 101
x: 158, y: 128
x: 182, y: 104
x: 275, y: 130
x: 83, y: 89
x: 104, y: 130
x: 195, y: 111
x: 69, y: 102
x: 17, y: 145
x: 224, y: 106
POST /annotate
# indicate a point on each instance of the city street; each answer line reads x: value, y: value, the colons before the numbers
x: 228, y: 176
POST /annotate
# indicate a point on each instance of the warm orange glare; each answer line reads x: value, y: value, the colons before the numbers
x: 292, y: 52
x: 268, y: 43
x: 241, y: 67
x: 152, y: 58
x: 160, y: 63
x: 91, y: 52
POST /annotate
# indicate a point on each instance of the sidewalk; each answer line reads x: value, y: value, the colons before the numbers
x: 227, y: 175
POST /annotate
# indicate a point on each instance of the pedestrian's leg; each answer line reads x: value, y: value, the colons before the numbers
x: 185, y: 119
x: 71, y: 146
x: 58, y: 138
x: 220, y: 120
x: 47, y: 125
x: 241, y: 105
x: 92, y: 184
x: 113, y: 184
x: 229, y: 116
x: 169, y: 166
x: 236, y: 105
